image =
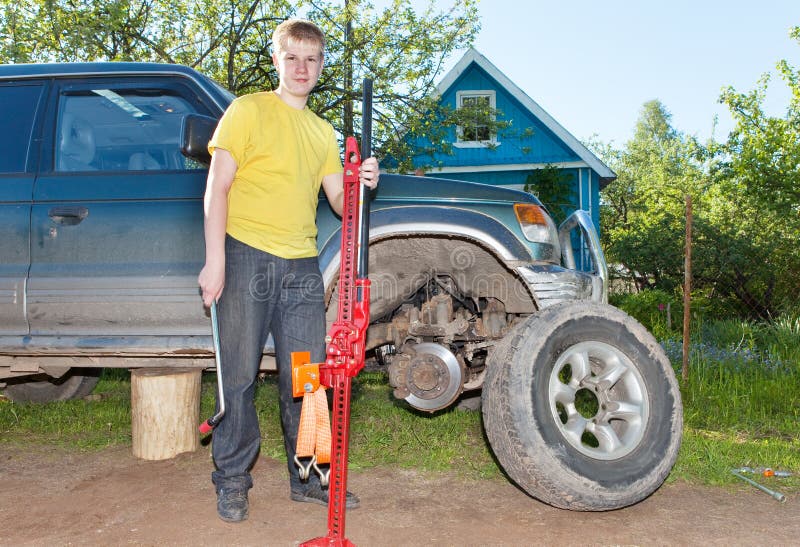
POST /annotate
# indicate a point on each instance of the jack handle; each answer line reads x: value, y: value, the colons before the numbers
x: 775, y: 495
x: 209, y: 424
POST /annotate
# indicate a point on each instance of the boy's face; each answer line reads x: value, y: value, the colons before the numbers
x: 299, y: 66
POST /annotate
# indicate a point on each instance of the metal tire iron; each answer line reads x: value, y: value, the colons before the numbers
x: 346, y: 339
x: 766, y: 473
x: 209, y: 424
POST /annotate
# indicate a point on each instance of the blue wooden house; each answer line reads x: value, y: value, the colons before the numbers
x: 532, y: 141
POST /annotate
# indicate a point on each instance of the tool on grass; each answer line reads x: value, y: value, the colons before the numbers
x: 209, y: 424
x: 346, y: 339
x: 777, y: 495
x: 765, y: 472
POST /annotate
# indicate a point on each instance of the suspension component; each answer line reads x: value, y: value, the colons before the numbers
x: 428, y: 376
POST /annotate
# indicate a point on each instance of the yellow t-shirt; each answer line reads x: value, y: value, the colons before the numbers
x: 281, y: 154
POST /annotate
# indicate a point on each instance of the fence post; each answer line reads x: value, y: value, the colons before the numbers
x: 687, y: 289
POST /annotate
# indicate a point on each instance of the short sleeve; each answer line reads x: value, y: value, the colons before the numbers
x: 233, y: 130
x: 333, y: 163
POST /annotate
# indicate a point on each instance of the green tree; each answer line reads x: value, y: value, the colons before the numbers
x: 642, y: 215
x: 403, y: 50
x: 746, y: 205
x: 757, y: 213
x: 764, y: 151
x: 71, y: 30
x: 555, y: 189
x: 227, y: 39
x: 735, y: 244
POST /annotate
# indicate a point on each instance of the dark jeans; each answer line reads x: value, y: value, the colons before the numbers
x: 263, y: 293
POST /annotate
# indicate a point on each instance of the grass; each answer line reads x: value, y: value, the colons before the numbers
x: 99, y: 421
x: 386, y: 432
x: 741, y: 401
x: 741, y: 408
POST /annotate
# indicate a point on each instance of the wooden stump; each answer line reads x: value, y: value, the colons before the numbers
x: 165, y: 412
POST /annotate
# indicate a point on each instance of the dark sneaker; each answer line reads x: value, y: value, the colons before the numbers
x: 314, y: 493
x: 232, y: 504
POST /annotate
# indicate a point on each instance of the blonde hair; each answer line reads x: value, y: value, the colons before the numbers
x: 301, y: 30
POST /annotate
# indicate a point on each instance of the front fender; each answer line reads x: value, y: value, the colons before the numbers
x: 431, y: 220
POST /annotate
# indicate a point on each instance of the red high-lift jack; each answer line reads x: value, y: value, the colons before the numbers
x: 347, y: 336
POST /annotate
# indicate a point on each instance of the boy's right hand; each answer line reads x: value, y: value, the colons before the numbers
x: 212, y: 281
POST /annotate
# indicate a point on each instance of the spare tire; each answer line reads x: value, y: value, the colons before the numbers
x: 582, y: 408
x: 76, y: 383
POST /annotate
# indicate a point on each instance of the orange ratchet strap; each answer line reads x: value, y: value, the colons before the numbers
x: 314, y: 432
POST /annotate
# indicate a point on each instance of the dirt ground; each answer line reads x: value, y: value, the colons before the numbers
x: 52, y: 497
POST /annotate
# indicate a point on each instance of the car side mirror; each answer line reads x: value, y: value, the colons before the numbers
x: 196, y: 131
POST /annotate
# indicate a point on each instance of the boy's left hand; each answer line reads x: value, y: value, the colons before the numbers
x: 369, y: 173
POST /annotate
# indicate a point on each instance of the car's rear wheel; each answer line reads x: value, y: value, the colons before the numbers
x: 77, y: 383
x: 582, y: 408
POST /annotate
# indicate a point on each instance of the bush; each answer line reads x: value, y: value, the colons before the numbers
x: 658, y: 310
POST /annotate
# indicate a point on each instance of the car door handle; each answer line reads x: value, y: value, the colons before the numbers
x: 68, y: 216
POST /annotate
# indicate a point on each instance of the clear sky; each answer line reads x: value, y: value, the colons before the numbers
x: 593, y: 64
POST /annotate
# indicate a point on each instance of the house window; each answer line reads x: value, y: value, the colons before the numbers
x: 479, y: 107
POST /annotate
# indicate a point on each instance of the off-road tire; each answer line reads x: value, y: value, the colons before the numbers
x: 75, y: 384
x: 530, y: 433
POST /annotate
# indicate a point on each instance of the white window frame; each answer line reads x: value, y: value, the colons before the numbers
x: 460, y: 96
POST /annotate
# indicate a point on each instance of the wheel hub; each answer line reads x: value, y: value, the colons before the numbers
x: 433, y: 378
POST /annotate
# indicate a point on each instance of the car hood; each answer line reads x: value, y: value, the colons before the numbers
x: 445, y: 191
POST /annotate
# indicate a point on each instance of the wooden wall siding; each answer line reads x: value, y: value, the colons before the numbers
x: 540, y: 147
